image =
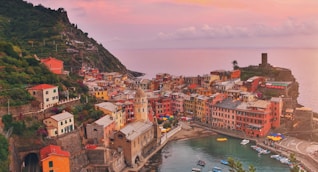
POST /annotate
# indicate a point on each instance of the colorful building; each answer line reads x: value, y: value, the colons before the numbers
x: 224, y: 113
x: 47, y: 95
x: 116, y: 111
x: 54, y: 159
x: 54, y: 65
x: 101, y: 94
x: 59, y: 124
x: 254, y: 118
x: 253, y: 83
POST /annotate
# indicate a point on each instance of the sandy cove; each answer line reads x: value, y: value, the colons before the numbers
x: 190, y: 131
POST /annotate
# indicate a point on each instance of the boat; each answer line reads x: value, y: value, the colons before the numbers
x: 216, y: 169
x: 224, y: 162
x: 196, y: 169
x: 221, y: 139
x: 260, y: 150
x: 275, y: 156
x: 245, y: 141
x: 201, y: 163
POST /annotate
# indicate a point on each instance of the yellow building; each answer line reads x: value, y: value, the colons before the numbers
x: 101, y: 94
x: 114, y: 110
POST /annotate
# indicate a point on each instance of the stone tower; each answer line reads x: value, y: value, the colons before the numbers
x: 264, y: 59
x: 141, y: 106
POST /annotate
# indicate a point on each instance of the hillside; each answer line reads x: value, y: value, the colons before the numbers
x: 43, y: 32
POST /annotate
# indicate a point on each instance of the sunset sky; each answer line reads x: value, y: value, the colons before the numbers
x: 139, y: 24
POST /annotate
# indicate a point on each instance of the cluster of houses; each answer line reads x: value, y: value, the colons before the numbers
x: 129, y: 130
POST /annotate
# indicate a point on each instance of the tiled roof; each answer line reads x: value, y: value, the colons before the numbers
x: 62, y: 116
x: 257, y: 104
x: 52, y: 150
x: 104, y: 121
x: 107, y: 105
x: 135, y: 129
x: 42, y: 87
x: 228, y: 103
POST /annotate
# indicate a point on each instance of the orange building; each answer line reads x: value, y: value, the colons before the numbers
x: 54, y: 159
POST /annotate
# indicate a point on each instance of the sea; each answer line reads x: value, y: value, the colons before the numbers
x: 183, y: 155
x: 303, y: 63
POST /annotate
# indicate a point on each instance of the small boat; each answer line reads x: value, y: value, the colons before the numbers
x: 196, y: 169
x: 216, y: 169
x: 275, y: 156
x: 201, y: 163
x: 221, y: 139
x: 224, y: 162
x: 245, y: 141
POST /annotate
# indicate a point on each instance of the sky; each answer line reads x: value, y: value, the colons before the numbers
x: 149, y: 24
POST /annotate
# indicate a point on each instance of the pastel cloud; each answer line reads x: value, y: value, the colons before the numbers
x: 138, y: 22
x: 287, y: 28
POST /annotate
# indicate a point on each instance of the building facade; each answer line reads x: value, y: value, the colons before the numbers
x: 59, y: 124
x: 47, y: 95
x: 54, y: 159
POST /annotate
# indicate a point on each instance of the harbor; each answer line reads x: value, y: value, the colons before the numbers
x: 201, y: 143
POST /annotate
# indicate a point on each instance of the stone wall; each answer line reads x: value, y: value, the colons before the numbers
x: 96, y: 156
x: 72, y: 143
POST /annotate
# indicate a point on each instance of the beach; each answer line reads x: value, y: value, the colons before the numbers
x: 190, y: 131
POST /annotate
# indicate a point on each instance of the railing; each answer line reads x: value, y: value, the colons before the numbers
x: 69, y: 100
x: 166, y: 136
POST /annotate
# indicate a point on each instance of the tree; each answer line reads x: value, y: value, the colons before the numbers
x: 236, y: 166
x: 293, y: 160
x: 235, y: 65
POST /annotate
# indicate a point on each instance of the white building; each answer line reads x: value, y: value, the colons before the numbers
x: 59, y: 124
x: 46, y: 94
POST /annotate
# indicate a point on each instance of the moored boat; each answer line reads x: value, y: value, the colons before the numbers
x: 196, y: 169
x: 216, y: 169
x: 224, y: 162
x: 201, y: 163
x: 221, y: 139
x: 245, y: 141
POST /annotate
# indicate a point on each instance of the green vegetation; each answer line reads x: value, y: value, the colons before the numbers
x: 4, y: 153
x: 46, y: 32
x: 236, y: 166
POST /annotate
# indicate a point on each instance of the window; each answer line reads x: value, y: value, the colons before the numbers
x: 51, y: 171
x: 47, y: 99
x: 61, y: 130
x: 46, y: 92
x: 50, y: 163
x: 54, y: 91
x: 61, y: 122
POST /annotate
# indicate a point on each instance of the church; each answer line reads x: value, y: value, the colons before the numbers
x: 139, y: 138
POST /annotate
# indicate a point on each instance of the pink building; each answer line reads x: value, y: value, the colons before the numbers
x: 177, y: 106
x: 224, y: 113
x: 129, y: 110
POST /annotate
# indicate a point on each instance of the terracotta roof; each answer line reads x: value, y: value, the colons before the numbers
x: 42, y: 87
x: 52, y: 150
x: 192, y: 86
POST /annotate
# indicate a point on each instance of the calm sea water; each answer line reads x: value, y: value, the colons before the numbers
x: 192, y: 62
x: 183, y: 155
